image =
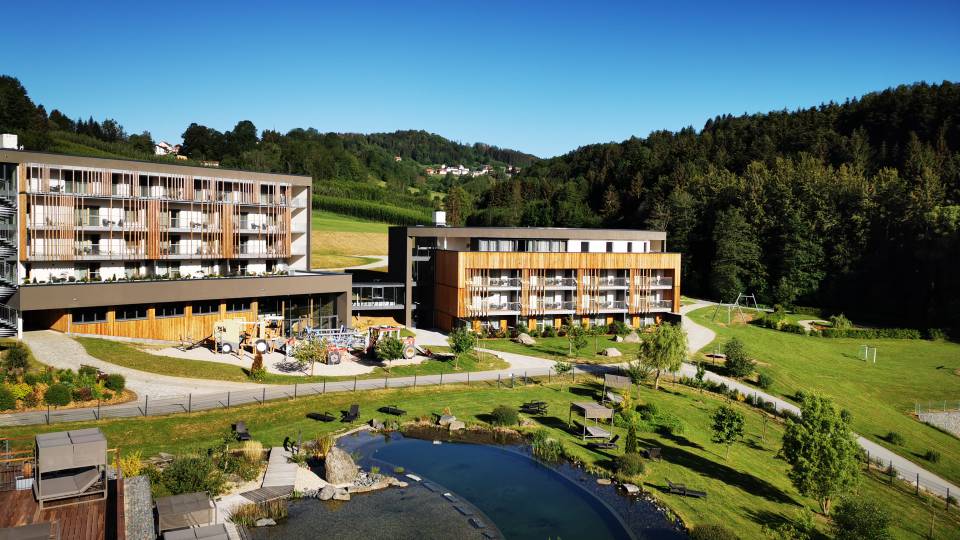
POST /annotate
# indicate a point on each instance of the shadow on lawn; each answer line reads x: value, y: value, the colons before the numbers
x: 741, y: 480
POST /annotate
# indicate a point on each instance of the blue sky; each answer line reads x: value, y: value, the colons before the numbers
x: 543, y: 77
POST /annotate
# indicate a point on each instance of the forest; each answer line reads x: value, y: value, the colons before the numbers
x: 853, y: 207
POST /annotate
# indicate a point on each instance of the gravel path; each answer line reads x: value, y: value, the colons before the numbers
x: 61, y: 351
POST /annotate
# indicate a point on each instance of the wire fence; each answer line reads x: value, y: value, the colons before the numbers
x: 185, y: 404
x: 936, y: 406
x: 913, y: 481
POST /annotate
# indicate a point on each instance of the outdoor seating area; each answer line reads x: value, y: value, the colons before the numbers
x: 185, y: 510
x: 70, y: 465
x: 591, y: 411
x: 352, y: 414
x: 605, y: 445
x: 534, y: 407
x: 240, y: 431
x: 680, y: 489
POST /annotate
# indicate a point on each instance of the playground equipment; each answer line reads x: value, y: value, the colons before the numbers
x: 736, y: 306
x: 264, y: 334
x: 868, y: 353
x: 376, y: 333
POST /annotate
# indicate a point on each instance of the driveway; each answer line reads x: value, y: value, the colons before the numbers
x: 61, y: 351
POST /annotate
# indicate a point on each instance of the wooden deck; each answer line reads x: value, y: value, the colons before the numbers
x: 85, y: 521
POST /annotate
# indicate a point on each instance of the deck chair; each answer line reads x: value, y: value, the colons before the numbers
x: 605, y: 445
x: 352, y: 414
x: 240, y: 430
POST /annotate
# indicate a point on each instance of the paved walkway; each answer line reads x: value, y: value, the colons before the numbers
x: 381, y: 261
x: 61, y: 351
x: 699, y: 336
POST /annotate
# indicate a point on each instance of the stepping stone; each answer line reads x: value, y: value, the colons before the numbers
x: 450, y: 497
x: 414, y: 477
x: 462, y: 510
x: 430, y: 486
x: 477, y: 523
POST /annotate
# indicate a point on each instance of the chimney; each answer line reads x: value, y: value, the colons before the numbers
x: 440, y: 218
x: 8, y: 141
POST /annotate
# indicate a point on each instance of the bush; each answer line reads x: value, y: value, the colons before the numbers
x: 857, y: 518
x: 88, y: 371
x: 932, y: 456
x: 630, y: 464
x: 504, y: 415
x: 618, y: 328
x: 16, y: 357
x: 246, y: 515
x: 115, y: 382
x: 257, y: 375
x: 840, y: 322
x: 546, y: 447
x: 649, y: 411
x: 764, y: 380
x: 189, y: 474
x: 252, y: 451
x: 548, y: 331
x: 82, y: 393
x: 20, y: 390
x: 57, y: 395
x: 793, y: 328
x: 7, y: 401
x: 712, y: 532
x: 895, y: 438
x: 872, y: 333
x: 670, y: 424
x: 31, y: 378
x: 130, y: 464
x: 738, y: 364
x: 937, y: 334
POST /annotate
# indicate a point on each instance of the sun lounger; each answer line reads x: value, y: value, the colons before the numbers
x: 240, y: 431
x: 534, y: 407
x: 680, y: 489
x: 352, y: 414
x: 392, y: 409
x: 209, y: 532
x: 71, y: 485
x: 614, y: 398
x: 605, y: 445
x: 34, y: 531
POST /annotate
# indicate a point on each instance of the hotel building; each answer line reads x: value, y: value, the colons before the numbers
x: 501, y: 276
x: 154, y: 250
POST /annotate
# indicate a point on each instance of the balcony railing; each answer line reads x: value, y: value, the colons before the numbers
x: 499, y: 307
x: 506, y: 282
x: 660, y: 304
x: 89, y: 250
x: 608, y: 305
x: 612, y: 282
x: 556, y: 306
x: 656, y: 282
x: 560, y: 282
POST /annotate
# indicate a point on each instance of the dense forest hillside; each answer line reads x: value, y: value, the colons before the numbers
x: 853, y: 206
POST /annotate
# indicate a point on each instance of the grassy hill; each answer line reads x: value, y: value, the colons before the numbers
x: 337, y: 241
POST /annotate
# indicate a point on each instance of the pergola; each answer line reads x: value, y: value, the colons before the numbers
x: 591, y: 411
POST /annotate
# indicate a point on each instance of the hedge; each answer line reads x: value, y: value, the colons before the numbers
x: 872, y: 333
x: 372, y: 210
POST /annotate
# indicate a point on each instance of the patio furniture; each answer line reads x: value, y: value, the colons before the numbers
x: 322, y: 417
x: 70, y: 464
x: 240, y: 431
x: 605, y: 445
x: 534, y: 407
x: 591, y: 411
x: 35, y: 531
x: 209, y: 532
x: 680, y: 489
x: 652, y: 453
x: 615, y: 381
x: 352, y: 414
x: 392, y: 409
x: 613, y: 397
x: 185, y: 510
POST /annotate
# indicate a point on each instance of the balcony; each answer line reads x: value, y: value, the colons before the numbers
x: 495, y: 308
x: 560, y: 283
x: 96, y: 252
x: 378, y: 296
x: 566, y: 306
x: 496, y: 283
x: 660, y: 305
x: 608, y: 306
x: 656, y: 282
x: 612, y: 282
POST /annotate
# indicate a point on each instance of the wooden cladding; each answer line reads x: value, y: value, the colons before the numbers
x: 187, y: 327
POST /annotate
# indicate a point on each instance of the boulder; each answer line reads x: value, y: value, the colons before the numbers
x: 341, y: 495
x: 612, y: 352
x: 326, y: 493
x: 618, y: 339
x: 338, y: 467
x: 376, y: 424
x: 525, y: 339
x: 632, y: 337
x: 631, y: 489
x: 604, y: 481
x: 446, y: 419
x: 456, y: 425
x: 264, y: 522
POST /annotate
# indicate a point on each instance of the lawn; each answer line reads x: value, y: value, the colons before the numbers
x: 559, y: 348
x: 338, y: 241
x: 745, y: 491
x: 880, y: 396
x: 127, y: 355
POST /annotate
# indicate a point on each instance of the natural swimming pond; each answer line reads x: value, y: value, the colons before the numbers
x: 523, y: 498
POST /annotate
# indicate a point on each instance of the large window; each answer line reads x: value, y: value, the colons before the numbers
x: 131, y: 312
x: 206, y: 308
x: 168, y: 310
x: 239, y: 304
x: 89, y: 315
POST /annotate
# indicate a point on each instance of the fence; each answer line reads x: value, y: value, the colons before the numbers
x: 936, y: 406
x: 914, y: 482
x: 202, y: 402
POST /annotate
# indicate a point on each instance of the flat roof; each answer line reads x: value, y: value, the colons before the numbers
x: 51, y: 158
x: 533, y: 232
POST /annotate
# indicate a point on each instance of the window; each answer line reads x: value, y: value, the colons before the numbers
x: 206, y: 308
x: 168, y: 310
x: 240, y: 304
x: 609, y: 247
x: 629, y: 247
x: 270, y: 306
x: 584, y: 247
x: 131, y: 312
x: 89, y: 315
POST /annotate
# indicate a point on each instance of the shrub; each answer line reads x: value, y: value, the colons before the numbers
x: 932, y: 456
x: 189, y: 474
x: 937, y: 334
x: 16, y: 357
x: 548, y: 331
x: 670, y: 424
x: 257, y: 362
x: 115, y: 382
x: 31, y: 378
x: 840, y: 322
x: 894, y: 438
x: 738, y: 364
x: 57, y: 395
x: 399, y: 470
x: 521, y: 328
x: 793, y: 328
x: 630, y: 464
x: 20, y: 390
x: 246, y: 515
x: 649, y: 411
x: 712, y: 532
x: 66, y: 376
x: 856, y: 518
x: 7, y: 401
x: 257, y: 375
x: 618, y: 328
x: 82, y: 393
x: 389, y: 348
x: 764, y: 380
x: 130, y: 464
x: 504, y: 415
x: 631, y: 445
x: 872, y: 333
x: 546, y: 447
x: 88, y: 371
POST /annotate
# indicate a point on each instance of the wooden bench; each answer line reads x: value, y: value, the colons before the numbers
x: 680, y: 489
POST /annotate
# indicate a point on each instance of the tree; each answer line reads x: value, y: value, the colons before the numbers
x: 388, y: 349
x: 701, y: 372
x: 462, y: 341
x: 821, y: 451
x: 142, y: 142
x: 737, y: 362
x: 595, y: 331
x: 575, y: 337
x: 310, y: 351
x: 16, y: 358
x: 855, y: 518
x: 631, y: 445
x: 737, y: 265
x: 727, y: 426
x: 664, y: 349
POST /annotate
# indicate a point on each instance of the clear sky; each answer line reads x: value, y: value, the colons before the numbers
x: 543, y: 77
